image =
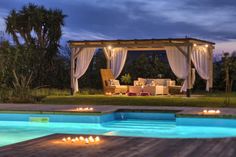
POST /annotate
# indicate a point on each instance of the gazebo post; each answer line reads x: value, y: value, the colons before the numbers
x: 210, y: 67
x: 72, y: 61
x: 108, y: 59
x: 108, y: 64
x: 107, y: 53
x: 189, y: 67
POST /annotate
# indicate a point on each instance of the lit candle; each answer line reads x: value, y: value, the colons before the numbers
x: 97, y: 139
x: 91, y: 139
x: 86, y: 108
x: 204, y: 111
x: 64, y: 139
x: 211, y: 111
x: 217, y: 111
x: 68, y: 138
x: 80, y: 109
x: 73, y: 140
x: 81, y: 138
x: 76, y: 139
x: 86, y: 141
x: 91, y: 108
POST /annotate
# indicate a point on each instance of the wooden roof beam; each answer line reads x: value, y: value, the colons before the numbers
x: 129, y: 45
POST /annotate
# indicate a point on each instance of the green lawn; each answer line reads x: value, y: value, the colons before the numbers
x: 213, y: 100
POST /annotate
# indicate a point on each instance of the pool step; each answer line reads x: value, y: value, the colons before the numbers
x: 140, y: 124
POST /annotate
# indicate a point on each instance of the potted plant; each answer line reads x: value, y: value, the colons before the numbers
x: 126, y: 79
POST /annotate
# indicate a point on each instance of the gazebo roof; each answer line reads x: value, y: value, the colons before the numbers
x: 140, y: 42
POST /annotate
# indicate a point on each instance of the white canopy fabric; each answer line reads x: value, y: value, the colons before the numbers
x: 84, y: 58
x: 117, y: 58
x: 200, y: 60
x: 178, y: 64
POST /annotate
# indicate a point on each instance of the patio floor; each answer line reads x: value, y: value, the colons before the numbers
x: 122, y: 147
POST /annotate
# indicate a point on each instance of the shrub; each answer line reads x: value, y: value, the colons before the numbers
x: 126, y: 79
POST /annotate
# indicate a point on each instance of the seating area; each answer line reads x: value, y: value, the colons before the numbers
x: 110, y: 85
x: 184, y: 55
x: 140, y: 87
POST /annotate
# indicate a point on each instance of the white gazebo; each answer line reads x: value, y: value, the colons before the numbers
x: 183, y: 54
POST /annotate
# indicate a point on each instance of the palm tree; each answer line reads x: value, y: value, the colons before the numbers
x: 38, y: 30
x: 11, y: 24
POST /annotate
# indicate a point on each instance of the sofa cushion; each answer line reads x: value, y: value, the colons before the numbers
x: 142, y: 81
x: 149, y: 82
x: 171, y: 83
x: 113, y: 82
x: 161, y: 82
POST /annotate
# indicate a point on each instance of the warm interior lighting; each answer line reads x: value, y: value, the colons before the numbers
x: 109, y: 47
x: 206, y: 45
x: 211, y: 111
x: 194, y: 45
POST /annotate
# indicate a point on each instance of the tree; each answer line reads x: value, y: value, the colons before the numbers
x: 230, y: 70
x: 148, y: 65
x: 36, y: 31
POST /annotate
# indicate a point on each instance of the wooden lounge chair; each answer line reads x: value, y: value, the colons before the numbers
x: 106, y: 75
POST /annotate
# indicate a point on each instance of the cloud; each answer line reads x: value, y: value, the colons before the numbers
x: 3, y: 14
x: 126, y: 19
x: 82, y: 35
x: 225, y: 46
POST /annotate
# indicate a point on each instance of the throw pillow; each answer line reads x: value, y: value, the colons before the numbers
x: 114, y: 82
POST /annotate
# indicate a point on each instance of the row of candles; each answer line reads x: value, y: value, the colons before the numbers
x: 211, y: 111
x: 86, y: 140
x: 84, y: 109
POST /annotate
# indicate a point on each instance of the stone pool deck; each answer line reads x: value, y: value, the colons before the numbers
x: 103, y: 109
x: 52, y: 146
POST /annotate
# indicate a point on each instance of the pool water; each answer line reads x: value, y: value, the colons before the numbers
x: 17, y: 127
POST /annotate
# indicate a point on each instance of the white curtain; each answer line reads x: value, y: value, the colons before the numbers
x: 84, y: 58
x: 178, y: 64
x: 200, y: 60
x: 117, y: 57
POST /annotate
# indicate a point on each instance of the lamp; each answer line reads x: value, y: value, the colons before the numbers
x: 109, y: 47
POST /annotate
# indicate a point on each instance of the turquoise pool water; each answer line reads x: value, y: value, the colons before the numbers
x: 17, y: 127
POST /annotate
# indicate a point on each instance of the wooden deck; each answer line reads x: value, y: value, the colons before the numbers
x: 52, y: 146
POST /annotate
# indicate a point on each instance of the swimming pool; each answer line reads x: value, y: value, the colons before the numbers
x: 20, y: 127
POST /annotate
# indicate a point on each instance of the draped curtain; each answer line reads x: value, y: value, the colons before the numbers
x: 199, y: 58
x: 178, y: 64
x: 117, y: 58
x: 83, y: 60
